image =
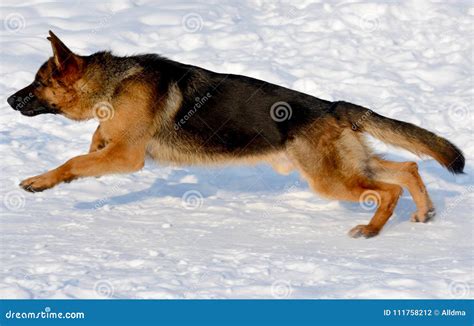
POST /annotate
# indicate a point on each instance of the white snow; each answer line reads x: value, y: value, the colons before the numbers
x: 239, y: 232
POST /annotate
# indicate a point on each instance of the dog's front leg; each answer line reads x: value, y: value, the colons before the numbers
x: 115, y: 158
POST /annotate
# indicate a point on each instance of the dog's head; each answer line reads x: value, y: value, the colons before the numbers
x: 57, y: 86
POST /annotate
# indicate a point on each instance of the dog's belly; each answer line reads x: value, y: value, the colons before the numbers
x: 181, y: 153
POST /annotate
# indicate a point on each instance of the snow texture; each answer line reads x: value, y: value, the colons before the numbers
x: 239, y: 231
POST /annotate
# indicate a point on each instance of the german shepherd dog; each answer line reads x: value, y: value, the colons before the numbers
x: 148, y: 105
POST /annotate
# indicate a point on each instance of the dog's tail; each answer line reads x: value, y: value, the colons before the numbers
x: 402, y: 134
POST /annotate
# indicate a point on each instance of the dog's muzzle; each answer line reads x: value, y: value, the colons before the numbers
x: 28, y: 104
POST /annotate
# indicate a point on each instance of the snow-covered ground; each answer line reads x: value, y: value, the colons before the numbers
x: 239, y: 232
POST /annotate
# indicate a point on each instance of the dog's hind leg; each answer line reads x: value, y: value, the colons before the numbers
x: 335, y: 162
x: 406, y: 174
x: 385, y: 195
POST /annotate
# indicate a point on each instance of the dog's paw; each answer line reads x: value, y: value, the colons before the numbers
x: 38, y: 183
x: 423, y: 217
x: 366, y: 231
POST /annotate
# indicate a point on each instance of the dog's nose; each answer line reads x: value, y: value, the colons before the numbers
x: 12, y: 100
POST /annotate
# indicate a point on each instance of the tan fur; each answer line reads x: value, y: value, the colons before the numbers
x: 337, y: 164
x: 125, y: 135
x: 406, y: 174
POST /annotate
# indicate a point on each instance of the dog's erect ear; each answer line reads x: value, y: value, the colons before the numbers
x: 64, y: 59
